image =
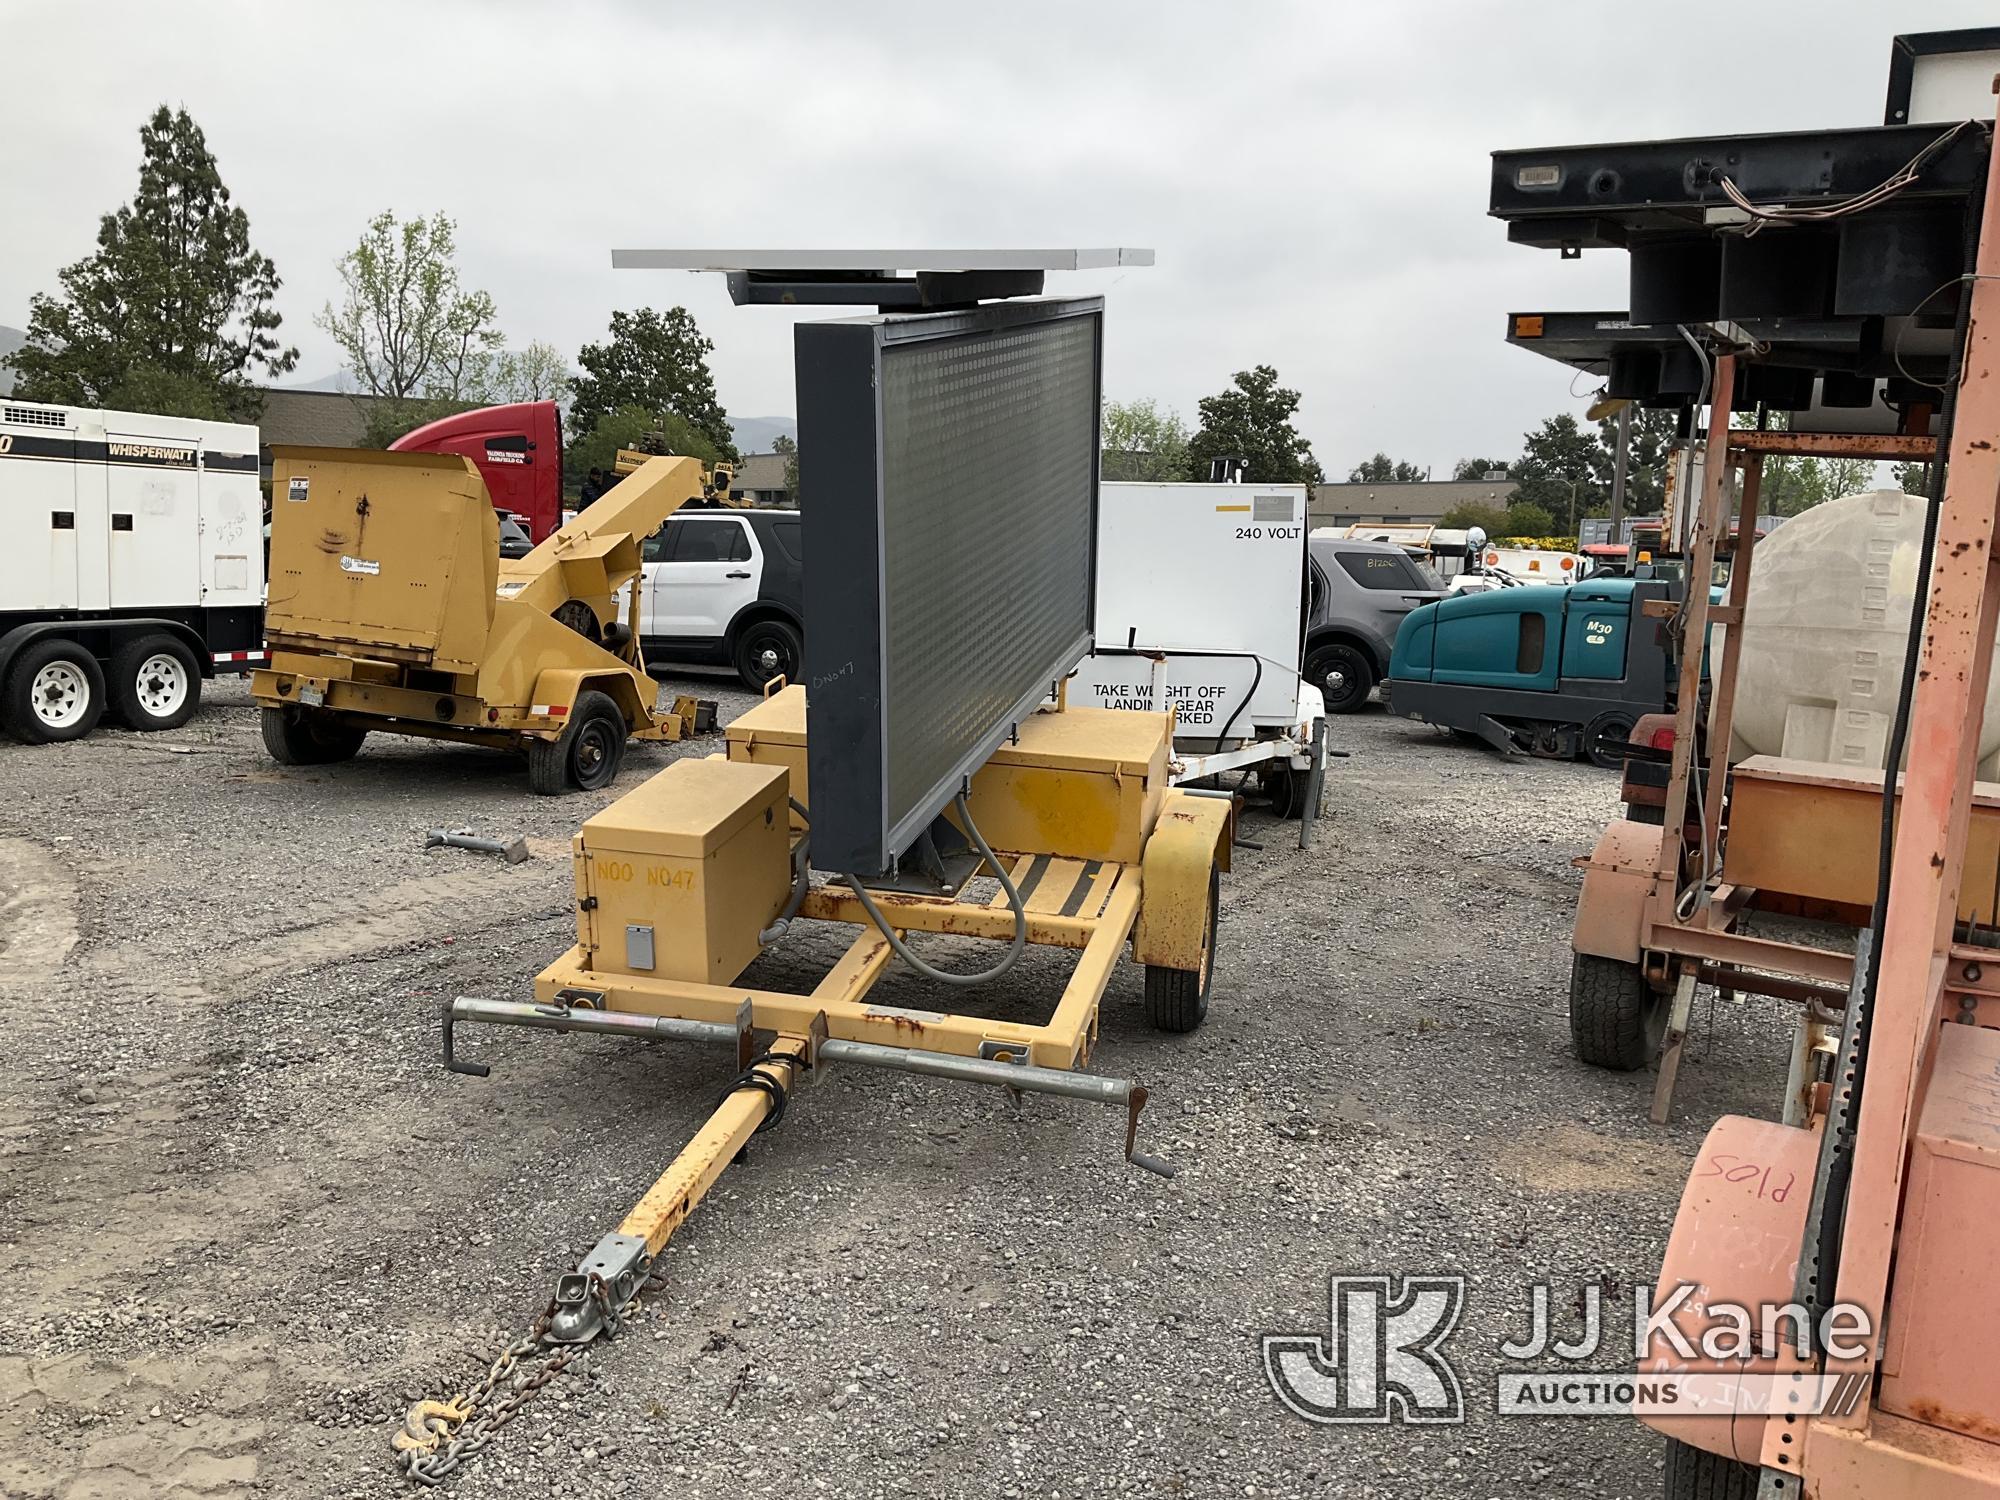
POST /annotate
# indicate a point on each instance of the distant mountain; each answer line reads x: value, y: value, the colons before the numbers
x: 10, y: 340
x: 339, y: 380
x: 756, y: 434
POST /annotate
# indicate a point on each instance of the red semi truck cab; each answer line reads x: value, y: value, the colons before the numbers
x: 518, y: 450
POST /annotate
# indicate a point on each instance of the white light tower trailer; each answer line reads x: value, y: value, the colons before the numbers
x: 131, y: 566
x: 1201, y: 594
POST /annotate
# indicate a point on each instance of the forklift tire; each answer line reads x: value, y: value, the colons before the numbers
x: 586, y: 755
x: 296, y: 737
x: 1696, y: 1474
x: 54, y: 694
x: 155, y: 684
x: 1177, y: 999
x: 1357, y: 676
x: 1616, y: 1020
x: 1615, y: 728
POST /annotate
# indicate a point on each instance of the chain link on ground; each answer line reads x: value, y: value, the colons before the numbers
x: 437, y: 1438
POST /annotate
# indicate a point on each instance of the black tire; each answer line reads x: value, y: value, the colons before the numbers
x: 155, y: 684
x: 1177, y: 999
x: 1616, y: 1019
x: 299, y: 737
x: 1696, y: 1474
x: 1614, y: 727
x: 586, y: 755
x: 54, y: 693
x: 1287, y: 788
x: 766, y: 649
x: 1343, y: 674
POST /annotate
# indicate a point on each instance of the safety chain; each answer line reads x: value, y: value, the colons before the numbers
x: 438, y: 1437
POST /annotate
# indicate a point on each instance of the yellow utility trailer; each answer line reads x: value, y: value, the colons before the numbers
x: 391, y: 609
x: 680, y: 884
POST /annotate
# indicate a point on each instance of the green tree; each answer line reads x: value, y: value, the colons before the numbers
x: 536, y: 373
x: 1491, y: 519
x: 1381, y: 469
x: 406, y: 325
x: 1847, y: 476
x: 1648, y: 459
x: 1253, y: 420
x: 173, y: 310
x: 1473, y: 470
x: 1144, y: 441
x: 1525, y: 518
x: 785, y: 445
x: 1560, y: 470
x: 657, y: 362
x: 1914, y: 478
x: 634, y: 427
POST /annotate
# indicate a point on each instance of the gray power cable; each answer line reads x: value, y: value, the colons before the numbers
x: 801, y: 880
x: 1006, y: 884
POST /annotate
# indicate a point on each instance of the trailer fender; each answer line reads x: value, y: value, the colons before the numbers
x: 1736, y: 1241
x: 102, y: 638
x: 1190, y: 840
x: 1611, y: 910
x: 561, y: 687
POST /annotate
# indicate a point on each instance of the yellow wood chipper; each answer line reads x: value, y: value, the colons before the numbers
x: 391, y: 610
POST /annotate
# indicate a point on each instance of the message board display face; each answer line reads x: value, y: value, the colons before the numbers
x: 949, y: 490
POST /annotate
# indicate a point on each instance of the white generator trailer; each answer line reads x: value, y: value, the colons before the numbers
x: 1200, y: 608
x: 131, y: 566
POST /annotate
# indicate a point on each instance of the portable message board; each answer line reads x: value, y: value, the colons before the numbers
x: 949, y: 482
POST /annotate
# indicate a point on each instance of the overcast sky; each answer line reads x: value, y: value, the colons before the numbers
x: 1312, y: 176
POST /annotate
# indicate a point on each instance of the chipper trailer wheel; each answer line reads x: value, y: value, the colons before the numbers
x: 1616, y: 1019
x: 586, y: 755
x: 299, y: 737
x: 54, y: 693
x: 155, y: 683
x: 1177, y: 999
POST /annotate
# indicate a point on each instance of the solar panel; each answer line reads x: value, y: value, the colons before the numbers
x: 949, y: 483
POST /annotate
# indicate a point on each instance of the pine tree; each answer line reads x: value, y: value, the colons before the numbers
x: 173, y: 313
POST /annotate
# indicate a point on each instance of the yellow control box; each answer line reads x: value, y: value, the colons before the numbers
x: 675, y: 879
x: 1082, y: 784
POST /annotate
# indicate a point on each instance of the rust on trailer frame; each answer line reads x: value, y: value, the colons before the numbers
x: 1891, y: 448
x: 1722, y: 709
x: 1946, y: 714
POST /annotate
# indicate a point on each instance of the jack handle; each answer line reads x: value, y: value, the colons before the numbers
x: 1134, y: 1102
x: 451, y: 1062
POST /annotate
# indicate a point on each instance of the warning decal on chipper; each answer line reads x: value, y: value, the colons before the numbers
x: 297, y: 487
x: 359, y: 565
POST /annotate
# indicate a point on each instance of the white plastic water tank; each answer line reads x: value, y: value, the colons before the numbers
x: 1824, y: 633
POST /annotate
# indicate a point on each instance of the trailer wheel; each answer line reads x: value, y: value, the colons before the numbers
x: 54, y: 693
x: 155, y: 684
x: 586, y: 755
x: 1616, y: 1020
x: 1344, y: 675
x: 298, y: 737
x: 1696, y: 1474
x: 1177, y: 999
x: 1287, y: 788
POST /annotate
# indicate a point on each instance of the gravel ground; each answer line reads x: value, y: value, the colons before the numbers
x: 247, y: 1218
